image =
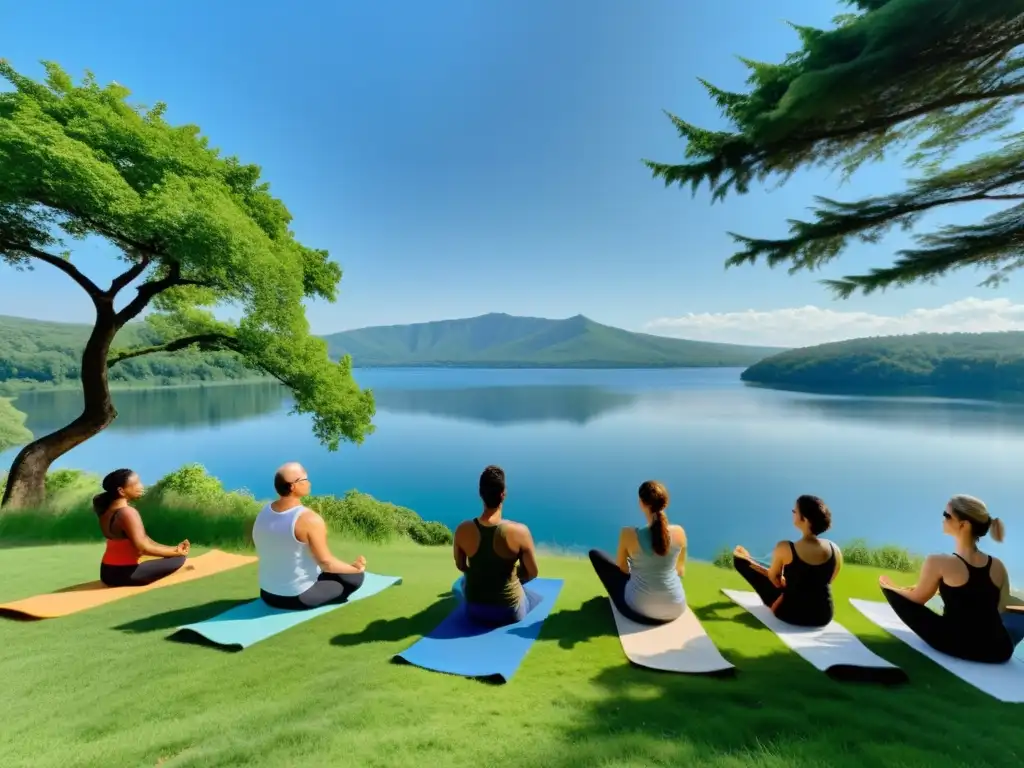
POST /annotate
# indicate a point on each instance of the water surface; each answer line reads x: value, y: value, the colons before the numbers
x: 576, y: 444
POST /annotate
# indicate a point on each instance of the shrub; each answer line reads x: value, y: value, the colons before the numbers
x: 858, y: 552
x: 190, y: 503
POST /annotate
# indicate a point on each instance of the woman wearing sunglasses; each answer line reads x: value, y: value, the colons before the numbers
x: 974, y: 587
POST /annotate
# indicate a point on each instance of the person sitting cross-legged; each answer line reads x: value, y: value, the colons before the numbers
x: 296, y: 568
x: 496, y: 557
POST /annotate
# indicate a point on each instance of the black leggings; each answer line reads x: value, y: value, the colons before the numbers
x: 795, y: 612
x: 615, y: 581
x: 329, y: 588
x: 968, y: 643
x: 141, y: 574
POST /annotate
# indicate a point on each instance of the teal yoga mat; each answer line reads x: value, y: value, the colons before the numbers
x: 245, y: 625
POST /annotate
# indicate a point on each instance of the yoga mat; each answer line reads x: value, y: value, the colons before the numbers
x: 679, y: 646
x: 247, y: 624
x: 1004, y: 682
x: 832, y: 649
x: 457, y: 646
x: 94, y: 593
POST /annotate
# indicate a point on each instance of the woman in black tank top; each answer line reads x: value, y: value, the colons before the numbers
x: 798, y: 592
x: 974, y: 588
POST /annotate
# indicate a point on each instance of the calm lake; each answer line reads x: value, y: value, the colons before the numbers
x: 576, y: 444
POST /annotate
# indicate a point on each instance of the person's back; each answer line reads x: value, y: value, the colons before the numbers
x: 296, y: 568
x: 974, y: 587
x: 496, y: 558
x: 655, y: 589
x: 808, y: 577
x: 286, y: 565
x: 491, y: 577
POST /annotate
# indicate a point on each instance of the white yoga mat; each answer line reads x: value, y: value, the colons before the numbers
x: 832, y: 649
x: 679, y: 646
x: 1004, y: 682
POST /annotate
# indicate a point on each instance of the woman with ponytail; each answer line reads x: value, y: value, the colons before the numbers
x: 797, y: 584
x: 977, y: 622
x: 126, y: 537
x: 645, y: 579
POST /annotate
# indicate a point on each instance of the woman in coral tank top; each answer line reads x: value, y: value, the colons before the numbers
x: 126, y: 537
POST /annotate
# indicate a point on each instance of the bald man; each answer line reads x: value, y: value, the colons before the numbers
x: 297, y: 570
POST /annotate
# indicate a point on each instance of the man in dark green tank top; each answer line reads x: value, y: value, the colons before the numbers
x: 496, y: 557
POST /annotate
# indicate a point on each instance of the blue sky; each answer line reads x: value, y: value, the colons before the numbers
x: 459, y: 157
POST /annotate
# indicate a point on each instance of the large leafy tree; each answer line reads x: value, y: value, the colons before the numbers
x: 192, y: 229
x: 922, y: 76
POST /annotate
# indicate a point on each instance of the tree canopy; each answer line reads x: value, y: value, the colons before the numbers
x: 975, y: 365
x: 193, y: 229
x: 934, y: 75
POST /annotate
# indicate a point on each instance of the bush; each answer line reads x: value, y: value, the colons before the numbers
x: 858, y: 552
x: 190, y: 503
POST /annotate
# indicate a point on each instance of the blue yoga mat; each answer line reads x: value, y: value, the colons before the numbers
x: 247, y: 624
x: 459, y: 647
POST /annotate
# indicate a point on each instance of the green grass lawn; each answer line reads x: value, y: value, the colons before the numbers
x: 106, y: 687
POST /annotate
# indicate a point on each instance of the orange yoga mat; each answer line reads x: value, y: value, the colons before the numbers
x: 81, y: 597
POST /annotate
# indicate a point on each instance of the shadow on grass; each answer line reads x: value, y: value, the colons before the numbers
x: 400, y: 628
x: 591, y: 620
x: 176, y: 618
x: 780, y: 711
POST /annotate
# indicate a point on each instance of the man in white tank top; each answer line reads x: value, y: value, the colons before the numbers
x: 296, y: 568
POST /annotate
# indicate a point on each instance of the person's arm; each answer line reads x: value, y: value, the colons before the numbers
x: 131, y: 524
x: 927, y: 583
x: 681, y: 562
x: 781, y: 557
x: 461, y: 561
x: 527, y: 569
x: 626, y: 538
x: 311, y: 529
x: 839, y: 562
x: 1004, y: 588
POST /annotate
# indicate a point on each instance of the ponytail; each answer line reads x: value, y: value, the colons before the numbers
x: 996, y: 529
x: 101, y: 502
x: 654, y: 496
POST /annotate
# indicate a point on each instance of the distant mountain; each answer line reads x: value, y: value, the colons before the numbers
x: 505, y: 341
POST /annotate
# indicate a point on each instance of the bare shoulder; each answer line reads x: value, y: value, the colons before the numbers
x: 784, y: 549
x: 998, y: 568
x: 520, y: 530
x: 309, y: 519
x: 678, y: 532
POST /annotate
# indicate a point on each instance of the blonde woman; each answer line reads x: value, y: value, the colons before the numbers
x: 974, y: 586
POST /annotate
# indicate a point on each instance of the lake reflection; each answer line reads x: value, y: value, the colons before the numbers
x: 576, y: 444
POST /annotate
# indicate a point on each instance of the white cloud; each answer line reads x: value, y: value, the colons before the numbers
x: 804, y: 326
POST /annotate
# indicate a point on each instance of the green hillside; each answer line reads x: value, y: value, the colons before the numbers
x: 37, y: 353
x: 978, y: 365
x: 499, y: 340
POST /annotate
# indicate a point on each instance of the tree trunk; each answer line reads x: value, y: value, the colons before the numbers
x: 26, y: 482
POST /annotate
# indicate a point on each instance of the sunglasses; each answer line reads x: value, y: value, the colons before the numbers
x: 946, y: 515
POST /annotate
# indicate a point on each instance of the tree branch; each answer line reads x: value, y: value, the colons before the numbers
x: 128, y: 275
x: 63, y: 265
x: 207, y: 342
x: 147, y: 291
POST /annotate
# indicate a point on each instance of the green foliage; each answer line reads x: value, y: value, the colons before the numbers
x: 359, y: 515
x: 962, y: 364
x: 189, y: 503
x: 35, y: 353
x: 888, y: 557
x: 198, y: 229
x: 938, y: 73
x: 12, y: 426
x: 500, y: 340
